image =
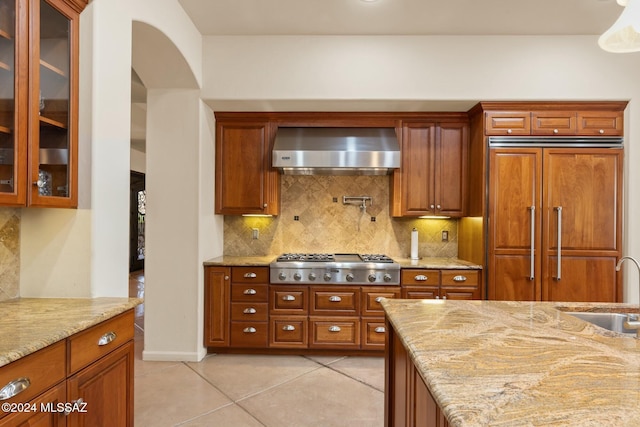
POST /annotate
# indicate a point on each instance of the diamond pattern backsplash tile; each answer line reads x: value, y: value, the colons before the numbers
x: 311, y: 221
x: 9, y: 253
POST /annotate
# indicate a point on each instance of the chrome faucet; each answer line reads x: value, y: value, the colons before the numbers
x: 633, y: 321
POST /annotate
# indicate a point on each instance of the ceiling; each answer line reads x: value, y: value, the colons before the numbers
x: 402, y: 17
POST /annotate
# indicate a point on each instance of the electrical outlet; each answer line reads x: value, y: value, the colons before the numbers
x: 255, y: 233
x: 445, y: 235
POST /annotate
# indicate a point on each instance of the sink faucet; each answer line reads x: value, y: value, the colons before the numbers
x: 632, y: 322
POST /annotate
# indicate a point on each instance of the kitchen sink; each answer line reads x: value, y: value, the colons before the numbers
x: 611, y: 321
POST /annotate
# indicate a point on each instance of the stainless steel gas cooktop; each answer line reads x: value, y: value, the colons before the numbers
x: 351, y: 269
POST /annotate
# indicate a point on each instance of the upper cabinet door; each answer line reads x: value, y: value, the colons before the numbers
x: 418, y: 162
x: 451, y: 169
x: 13, y: 100
x: 53, y: 104
x: 245, y: 181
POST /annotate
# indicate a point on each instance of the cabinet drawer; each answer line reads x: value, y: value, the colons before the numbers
x: 38, y: 372
x: 553, y: 123
x: 339, y: 301
x: 373, y: 333
x: 250, y: 274
x: 258, y: 292
x: 289, y: 300
x: 507, y: 123
x: 289, y: 332
x: 600, y: 123
x: 371, y: 300
x: 420, y: 292
x: 56, y: 395
x: 460, y: 278
x: 248, y: 311
x: 341, y: 332
x: 95, y: 342
x: 249, y: 334
x: 420, y: 277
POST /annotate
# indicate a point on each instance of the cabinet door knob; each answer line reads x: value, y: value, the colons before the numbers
x: 39, y: 183
x: 250, y: 291
x: 78, y: 402
x: 250, y: 275
x: 264, y: 206
x: 15, y: 387
x: 335, y: 298
x: 555, y: 131
x: 509, y: 131
x: 226, y: 277
x: 601, y: 131
x: 334, y: 328
x: 378, y: 299
x: 107, y: 338
x: 439, y: 206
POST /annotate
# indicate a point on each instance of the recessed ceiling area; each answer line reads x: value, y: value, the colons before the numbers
x: 402, y: 17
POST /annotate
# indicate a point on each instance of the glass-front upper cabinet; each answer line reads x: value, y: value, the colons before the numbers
x: 53, y: 104
x: 13, y: 99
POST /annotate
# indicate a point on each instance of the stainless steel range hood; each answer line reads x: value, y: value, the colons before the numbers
x: 336, y: 151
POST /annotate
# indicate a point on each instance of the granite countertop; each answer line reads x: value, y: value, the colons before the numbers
x: 435, y: 263
x: 521, y: 363
x: 30, y: 324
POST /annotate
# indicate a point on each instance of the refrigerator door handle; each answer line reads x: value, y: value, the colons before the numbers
x: 559, y: 272
x: 532, y: 268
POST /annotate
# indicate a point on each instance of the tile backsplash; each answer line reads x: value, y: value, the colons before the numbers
x: 313, y: 218
x: 9, y: 253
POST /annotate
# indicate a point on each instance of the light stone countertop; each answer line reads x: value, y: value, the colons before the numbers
x: 249, y: 261
x: 521, y: 363
x: 30, y: 324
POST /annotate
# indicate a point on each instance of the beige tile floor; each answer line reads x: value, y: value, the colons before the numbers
x: 256, y: 390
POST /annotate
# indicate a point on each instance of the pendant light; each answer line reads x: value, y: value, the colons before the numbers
x: 624, y: 34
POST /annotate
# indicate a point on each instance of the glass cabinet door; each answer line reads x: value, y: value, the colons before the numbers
x: 13, y: 99
x: 53, y: 107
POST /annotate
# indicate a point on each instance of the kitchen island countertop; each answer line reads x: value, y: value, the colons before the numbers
x: 521, y: 363
x: 30, y: 324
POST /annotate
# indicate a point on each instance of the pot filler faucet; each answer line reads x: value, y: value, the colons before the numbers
x: 632, y: 321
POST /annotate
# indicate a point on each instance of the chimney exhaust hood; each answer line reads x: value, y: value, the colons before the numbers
x: 336, y: 151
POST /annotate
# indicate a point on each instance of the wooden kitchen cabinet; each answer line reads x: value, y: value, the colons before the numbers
x: 90, y: 373
x: 554, y: 233
x: 39, y: 107
x: 553, y: 119
x: 441, y: 284
x: 217, y: 300
x: 250, y: 294
x: 245, y: 181
x: 433, y: 172
x: 408, y: 401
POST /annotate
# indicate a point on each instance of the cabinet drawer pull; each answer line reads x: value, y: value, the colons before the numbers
x: 288, y: 298
x: 250, y: 275
x: 420, y: 278
x: 335, y: 298
x: 250, y: 291
x: 249, y: 310
x: 14, y: 388
x: 378, y: 299
x: 107, y: 338
x: 380, y: 330
x: 334, y: 329
x: 459, y: 278
x: 288, y: 328
x: 76, y: 403
x: 249, y: 330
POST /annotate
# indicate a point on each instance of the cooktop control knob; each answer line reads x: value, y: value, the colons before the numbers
x: 327, y: 277
x: 297, y: 276
x: 349, y: 277
x: 386, y: 277
x: 372, y: 277
x: 282, y: 276
x: 312, y: 276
